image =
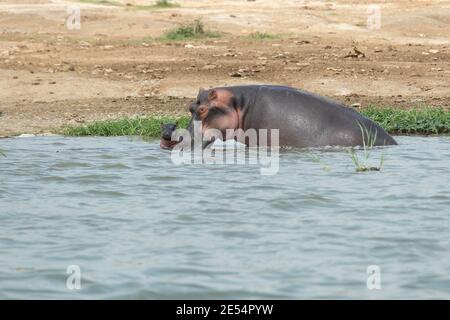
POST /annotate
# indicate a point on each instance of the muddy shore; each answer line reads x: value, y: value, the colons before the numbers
x: 113, y: 67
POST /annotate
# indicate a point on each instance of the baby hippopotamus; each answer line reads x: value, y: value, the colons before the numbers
x: 166, y: 135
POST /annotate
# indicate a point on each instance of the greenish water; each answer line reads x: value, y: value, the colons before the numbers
x: 140, y: 227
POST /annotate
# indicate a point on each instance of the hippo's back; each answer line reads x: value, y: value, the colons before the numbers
x: 308, y: 120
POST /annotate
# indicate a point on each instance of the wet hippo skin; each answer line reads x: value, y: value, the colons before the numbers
x: 304, y: 119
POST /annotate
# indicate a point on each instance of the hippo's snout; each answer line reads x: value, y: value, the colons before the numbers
x: 166, y: 135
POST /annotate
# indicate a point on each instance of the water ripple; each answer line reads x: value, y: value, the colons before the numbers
x: 140, y: 227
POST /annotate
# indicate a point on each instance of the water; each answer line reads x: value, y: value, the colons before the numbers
x: 139, y: 227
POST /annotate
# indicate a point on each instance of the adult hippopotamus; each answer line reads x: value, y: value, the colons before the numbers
x: 304, y: 119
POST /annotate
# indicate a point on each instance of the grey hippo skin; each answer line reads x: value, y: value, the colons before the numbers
x: 304, y: 119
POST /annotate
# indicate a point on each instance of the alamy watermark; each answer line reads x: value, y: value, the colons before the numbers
x: 263, y: 143
x: 374, y: 18
x: 73, y: 281
x: 374, y: 278
x: 73, y: 21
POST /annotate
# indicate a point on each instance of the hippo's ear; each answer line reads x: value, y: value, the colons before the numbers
x: 200, y: 92
x: 212, y: 95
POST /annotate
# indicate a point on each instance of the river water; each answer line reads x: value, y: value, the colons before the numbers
x: 118, y: 215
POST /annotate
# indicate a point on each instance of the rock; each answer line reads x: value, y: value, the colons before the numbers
x: 84, y: 44
x: 26, y: 135
x: 67, y: 67
x: 230, y: 54
x: 235, y: 74
x: 302, y: 42
x: 334, y: 69
x: 209, y: 67
x: 355, y: 53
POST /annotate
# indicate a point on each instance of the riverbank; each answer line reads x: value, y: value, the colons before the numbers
x: 128, y: 60
x: 425, y: 121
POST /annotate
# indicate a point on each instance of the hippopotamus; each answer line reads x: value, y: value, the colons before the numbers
x: 166, y: 135
x: 303, y: 119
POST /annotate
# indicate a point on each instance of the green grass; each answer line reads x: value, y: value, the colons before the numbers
x: 263, y: 36
x: 160, y: 4
x: 318, y: 160
x: 102, y: 2
x: 195, y: 30
x: 415, y: 121
x: 164, y: 4
x: 423, y: 122
x: 144, y: 126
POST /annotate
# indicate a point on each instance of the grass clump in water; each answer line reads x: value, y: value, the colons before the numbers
x: 144, y: 126
x: 195, y: 30
x: 263, y: 36
x: 415, y: 121
x: 362, y: 165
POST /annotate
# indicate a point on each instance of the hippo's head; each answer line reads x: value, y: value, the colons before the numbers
x: 166, y: 135
x: 214, y: 109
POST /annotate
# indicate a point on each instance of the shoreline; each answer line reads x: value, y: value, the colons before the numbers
x: 126, y: 63
x: 426, y: 121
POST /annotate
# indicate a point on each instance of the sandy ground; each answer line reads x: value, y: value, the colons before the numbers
x: 51, y: 76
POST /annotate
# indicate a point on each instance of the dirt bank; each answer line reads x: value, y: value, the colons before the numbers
x: 111, y: 67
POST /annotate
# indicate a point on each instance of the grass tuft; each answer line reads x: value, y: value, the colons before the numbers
x: 369, y: 139
x: 160, y: 4
x: 195, y: 30
x: 164, y: 4
x: 102, y: 2
x: 263, y: 36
